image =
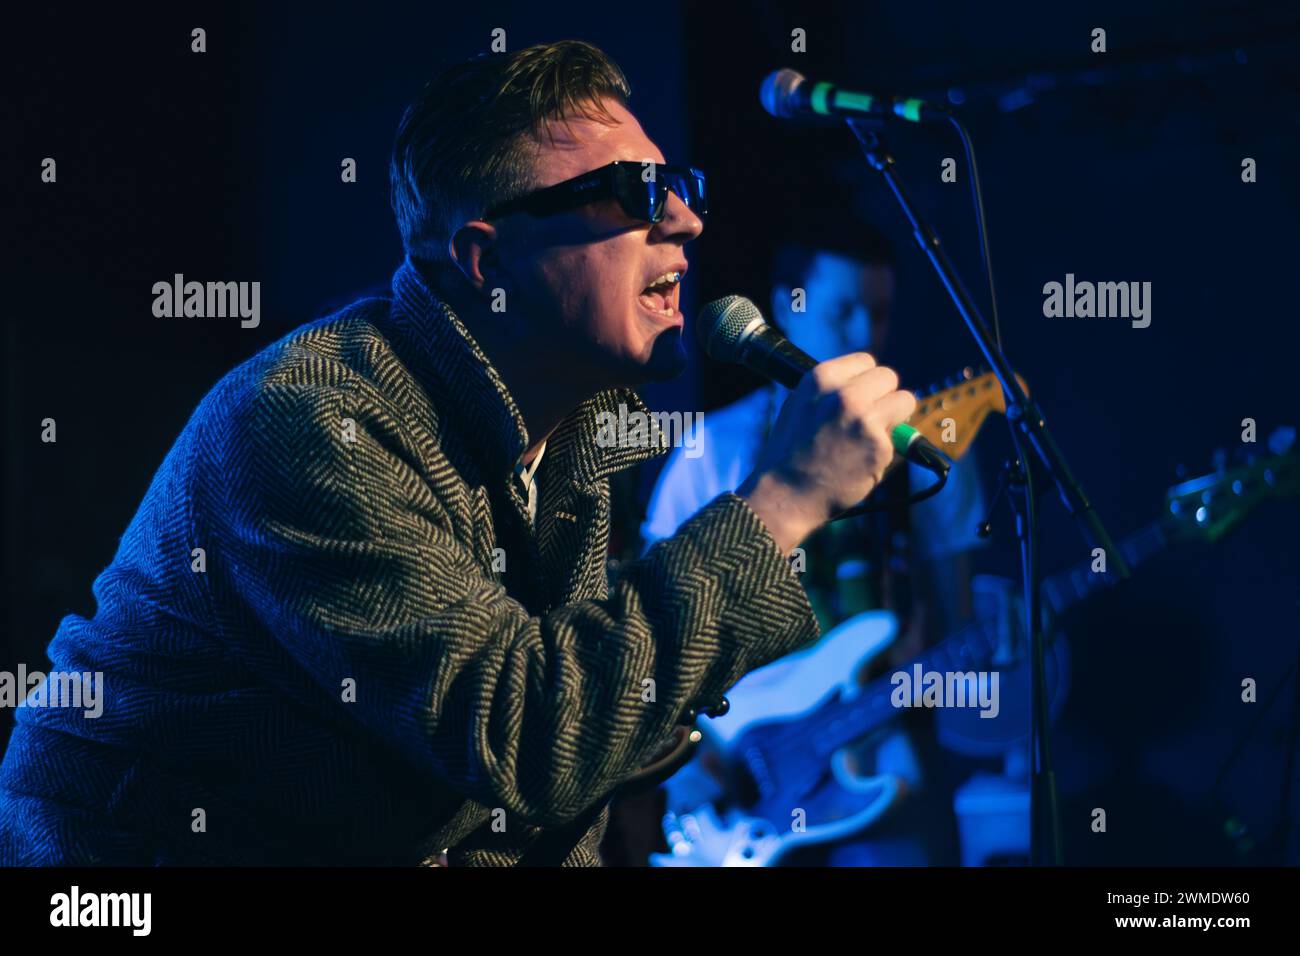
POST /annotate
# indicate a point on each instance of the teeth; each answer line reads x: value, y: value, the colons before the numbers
x: 660, y: 286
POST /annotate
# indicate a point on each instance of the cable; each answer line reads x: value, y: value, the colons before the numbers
x: 977, y: 199
x: 864, y: 508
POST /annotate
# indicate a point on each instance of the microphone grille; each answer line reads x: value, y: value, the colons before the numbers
x: 777, y: 92
x: 721, y: 323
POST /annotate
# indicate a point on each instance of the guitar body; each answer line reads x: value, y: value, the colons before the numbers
x: 777, y: 799
x: 798, y: 683
x: 843, y: 806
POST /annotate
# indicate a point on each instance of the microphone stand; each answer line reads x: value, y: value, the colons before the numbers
x: 1029, y: 433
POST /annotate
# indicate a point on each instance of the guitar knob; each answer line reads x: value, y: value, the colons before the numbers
x: 715, y: 709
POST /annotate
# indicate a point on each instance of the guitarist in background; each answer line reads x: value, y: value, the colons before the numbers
x: 914, y: 562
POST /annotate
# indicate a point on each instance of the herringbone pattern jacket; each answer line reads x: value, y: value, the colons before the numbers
x: 344, y: 673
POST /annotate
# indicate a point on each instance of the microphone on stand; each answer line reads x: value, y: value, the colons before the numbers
x: 733, y: 330
x: 788, y: 94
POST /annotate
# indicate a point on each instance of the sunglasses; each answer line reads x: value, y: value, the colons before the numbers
x: 641, y: 190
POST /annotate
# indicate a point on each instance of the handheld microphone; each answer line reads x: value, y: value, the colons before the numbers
x: 733, y: 330
x: 788, y: 94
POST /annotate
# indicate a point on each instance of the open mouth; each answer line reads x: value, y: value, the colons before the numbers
x: 661, y: 295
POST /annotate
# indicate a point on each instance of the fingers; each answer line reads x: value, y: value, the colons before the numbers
x: 864, y: 390
x: 832, y: 443
x: 835, y: 373
x: 894, y: 407
x: 873, y: 396
x: 875, y: 382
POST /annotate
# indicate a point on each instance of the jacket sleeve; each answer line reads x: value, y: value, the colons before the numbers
x: 680, y: 491
x: 343, y: 552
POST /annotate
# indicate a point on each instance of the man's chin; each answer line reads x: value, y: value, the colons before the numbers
x: 667, y: 357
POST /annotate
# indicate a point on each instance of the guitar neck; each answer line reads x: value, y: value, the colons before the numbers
x: 972, y: 647
x: 1065, y: 589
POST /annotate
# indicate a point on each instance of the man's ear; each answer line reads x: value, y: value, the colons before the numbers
x: 472, y: 249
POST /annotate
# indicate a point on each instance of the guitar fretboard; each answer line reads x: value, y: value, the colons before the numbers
x: 1067, y: 588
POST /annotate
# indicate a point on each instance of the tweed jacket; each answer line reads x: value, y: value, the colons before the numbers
x: 331, y: 635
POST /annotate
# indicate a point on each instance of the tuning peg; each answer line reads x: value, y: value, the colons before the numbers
x: 967, y: 373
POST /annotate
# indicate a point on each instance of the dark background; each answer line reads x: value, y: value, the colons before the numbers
x: 1118, y: 166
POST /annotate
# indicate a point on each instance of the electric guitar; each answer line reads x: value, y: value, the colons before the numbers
x: 949, y: 417
x: 777, y: 772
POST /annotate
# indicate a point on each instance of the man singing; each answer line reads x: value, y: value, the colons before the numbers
x: 362, y: 615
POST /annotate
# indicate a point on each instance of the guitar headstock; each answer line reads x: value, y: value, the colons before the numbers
x: 1210, y: 506
x: 967, y: 400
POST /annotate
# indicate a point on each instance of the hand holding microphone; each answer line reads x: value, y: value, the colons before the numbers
x: 833, y: 439
x: 829, y: 448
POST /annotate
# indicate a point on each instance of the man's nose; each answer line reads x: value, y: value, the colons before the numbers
x: 679, y: 224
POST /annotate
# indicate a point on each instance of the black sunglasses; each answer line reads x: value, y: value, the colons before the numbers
x: 641, y: 190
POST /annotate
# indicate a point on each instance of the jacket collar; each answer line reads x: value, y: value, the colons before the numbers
x: 452, y: 366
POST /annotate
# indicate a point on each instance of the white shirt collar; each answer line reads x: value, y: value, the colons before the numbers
x: 526, y: 472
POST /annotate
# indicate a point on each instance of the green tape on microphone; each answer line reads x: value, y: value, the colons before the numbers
x: 902, y: 436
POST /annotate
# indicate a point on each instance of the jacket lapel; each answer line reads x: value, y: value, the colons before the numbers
x: 591, y: 443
